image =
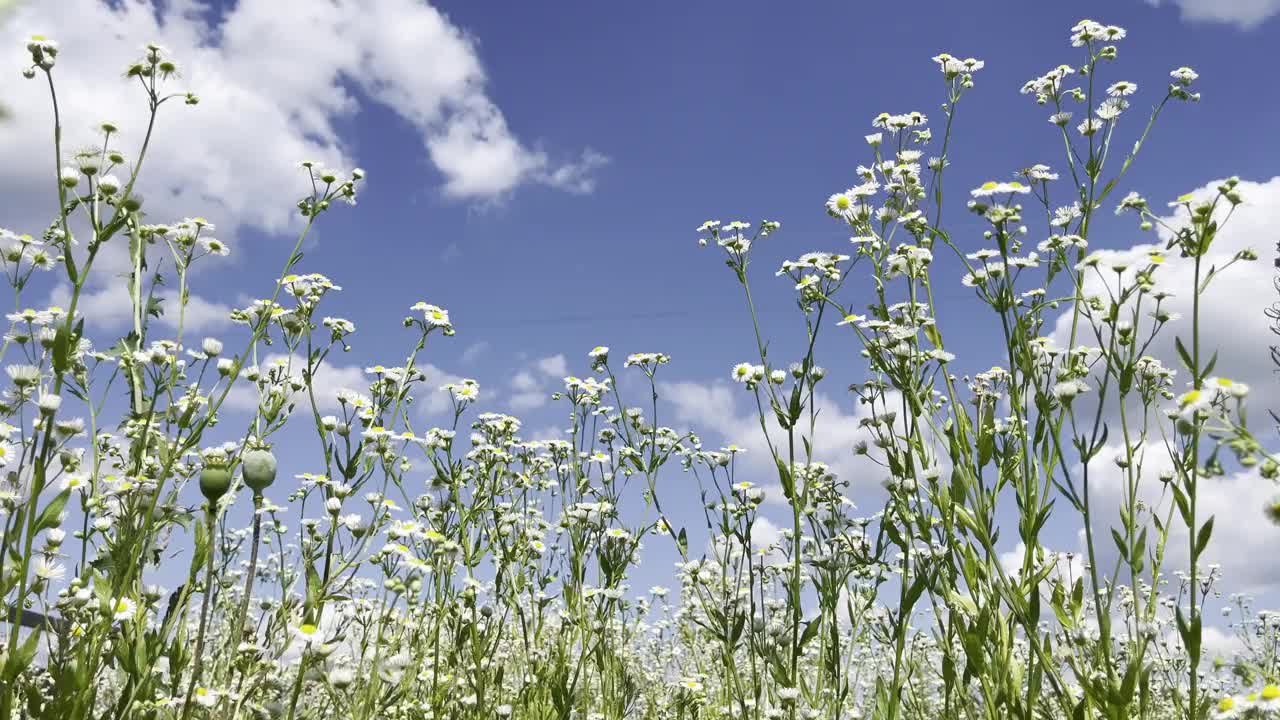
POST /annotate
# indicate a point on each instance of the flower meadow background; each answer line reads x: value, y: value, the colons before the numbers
x: 539, y: 172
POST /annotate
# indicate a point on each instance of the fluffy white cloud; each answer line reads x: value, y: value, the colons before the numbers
x: 1232, y: 321
x: 527, y: 400
x: 1232, y: 324
x: 109, y: 308
x: 1242, y: 533
x: 530, y: 384
x: 1066, y: 566
x: 332, y: 377
x: 275, y: 77
x: 555, y: 366
x: 326, y: 382
x: 765, y: 536
x: 1246, y: 14
x: 524, y: 381
x: 715, y: 408
x: 433, y: 400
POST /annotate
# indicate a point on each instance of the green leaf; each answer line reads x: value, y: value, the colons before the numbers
x: 784, y: 476
x: 1208, y: 368
x: 1120, y: 544
x: 931, y: 332
x: 1180, y: 498
x: 913, y: 594
x: 1127, y: 685
x: 314, y: 590
x: 1202, y: 539
x: 738, y: 624
x: 61, y: 349
x: 51, y: 516
x: 21, y: 658
x: 794, y: 407
x: 1190, y: 632
x: 810, y: 632
x: 1182, y: 353
x: 986, y: 434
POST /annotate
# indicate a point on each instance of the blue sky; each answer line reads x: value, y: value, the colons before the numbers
x: 539, y: 168
x: 707, y: 110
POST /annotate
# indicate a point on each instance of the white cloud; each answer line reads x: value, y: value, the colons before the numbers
x: 715, y: 408
x: 764, y: 533
x: 275, y: 78
x: 766, y: 537
x: 522, y: 401
x: 1242, y: 533
x: 1231, y: 310
x: 474, y: 351
x: 1220, y: 644
x: 1232, y: 324
x: 578, y: 177
x: 110, y: 309
x: 332, y: 377
x: 201, y: 315
x: 530, y: 383
x: 555, y: 366
x: 547, y: 434
x: 1066, y: 566
x: 326, y: 382
x: 1246, y: 14
x: 524, y: 381
x: 431, y: 399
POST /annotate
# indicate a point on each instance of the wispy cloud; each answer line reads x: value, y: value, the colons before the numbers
x: 1246, y: 14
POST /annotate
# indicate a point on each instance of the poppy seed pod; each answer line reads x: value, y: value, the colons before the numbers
x: 259, y: 469
x: 215, y: 480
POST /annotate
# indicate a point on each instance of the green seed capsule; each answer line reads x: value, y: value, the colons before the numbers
x: 259, y: 468
x: 215, y: 480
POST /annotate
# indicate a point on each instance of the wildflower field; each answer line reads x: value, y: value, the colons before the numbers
x: 160, y: 562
